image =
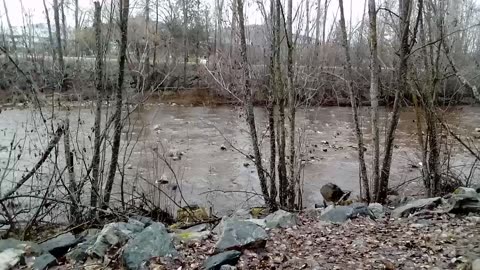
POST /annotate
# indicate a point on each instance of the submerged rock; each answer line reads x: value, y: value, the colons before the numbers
x: 281, y: 219
x: 216, y: 262
x: 60, y: 245
x: 238, y: 235
x: 413, y: 206
x: 154, y: 241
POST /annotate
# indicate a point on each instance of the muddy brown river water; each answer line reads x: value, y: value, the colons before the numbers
x: 210, y: 176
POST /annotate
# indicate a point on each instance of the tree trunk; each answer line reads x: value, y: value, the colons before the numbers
x: 156, y: 34
x: 10, y: 28
x: 374, y: 85
x: 404, y: 7
x: 124, y: 8
x: 77, y: 29
x: 291, y: 106
x: 64, y: 26
x: 317, y: 29
x: 56, y: 12
x: 271, y: 103
x: 281, y: 99
x: 146, y: 68
x: 307, y: 24
x: 98, y: 108
x: 75, y: 214
x: 50, y: 35
x: 249, y: 108
x: 354, y: 101
x: 185, y: 42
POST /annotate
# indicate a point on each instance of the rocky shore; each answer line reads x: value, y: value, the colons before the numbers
x: 430, y: 233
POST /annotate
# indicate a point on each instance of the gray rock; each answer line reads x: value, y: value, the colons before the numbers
x: 79, y: 253
x: 11, y: 257
x: 377, y: 210
x: 466, y: 191
x: 242, y: 214
x: 60, y: 245
x: 44, y: 261
x: 463, y: 204
x: 29, y: 247
x: 281, y: 219
x: 238, y: 235
x: 114, y: 234
x: 215, y: 262
x: 259, y: 221
x: 154, y: 241
x: 228, y: 267
x: 145, y: 220
x: 314, y: 213
x: 413, y: 206
x: 339, y: 214
x: 197, y: 228
x: 476, y: 264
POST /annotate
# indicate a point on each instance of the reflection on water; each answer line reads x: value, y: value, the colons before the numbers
x: 190, y: 137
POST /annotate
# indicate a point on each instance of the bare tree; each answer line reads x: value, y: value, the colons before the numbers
x: 354, y: 99
x: 10, y: 28
x: 56, y: 12
x: 146, y: 68
x: 50, y: 35
x: 374, y: 85
x: 98, y: 106
x: 122, y: 57
x: 249, y: 107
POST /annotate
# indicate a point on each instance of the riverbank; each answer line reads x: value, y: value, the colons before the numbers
x: 431, y: 233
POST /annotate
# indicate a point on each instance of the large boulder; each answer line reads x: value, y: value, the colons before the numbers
x: 416, y: 205
x: 466, y: 191
x: 59, y: 245
x: 154, y: 241
x: 216, y: 262
x: 333, y: 193
x: 10, y: 258
x: 113, y: 234
x: 281, y: 219
x: 238, y: 235
x: 377, y: 210
x: 79, y: 253
x: 463, y: 203
x: 13, y: 252
x: 476, y: 264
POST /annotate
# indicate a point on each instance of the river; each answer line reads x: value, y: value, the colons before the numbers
x: 222, y: 179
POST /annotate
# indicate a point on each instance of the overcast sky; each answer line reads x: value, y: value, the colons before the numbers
x: 35, y: 8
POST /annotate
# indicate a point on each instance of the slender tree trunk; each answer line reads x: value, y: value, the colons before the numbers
x: 282, y: 162
x: 317, y: 28
x: 185, y: 42
x: 10, y: 28
x: 307, y: 23
x: 249, y: 108
x: 233, y: 28
x: 374, y: 85
x: 98, y: 107
x: 72, y: 185
x: 64, y: 26
x: 77, y: 28
x: 404, y: 7
x: 146, y: 68
x: 271, y: 104
x: 156, y: 34
x: 324, y: 24
x: 124, y: 7
x: 56, y: 12
x: 291, y: 106
x: 50, y: 35
x: 354, y: 101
